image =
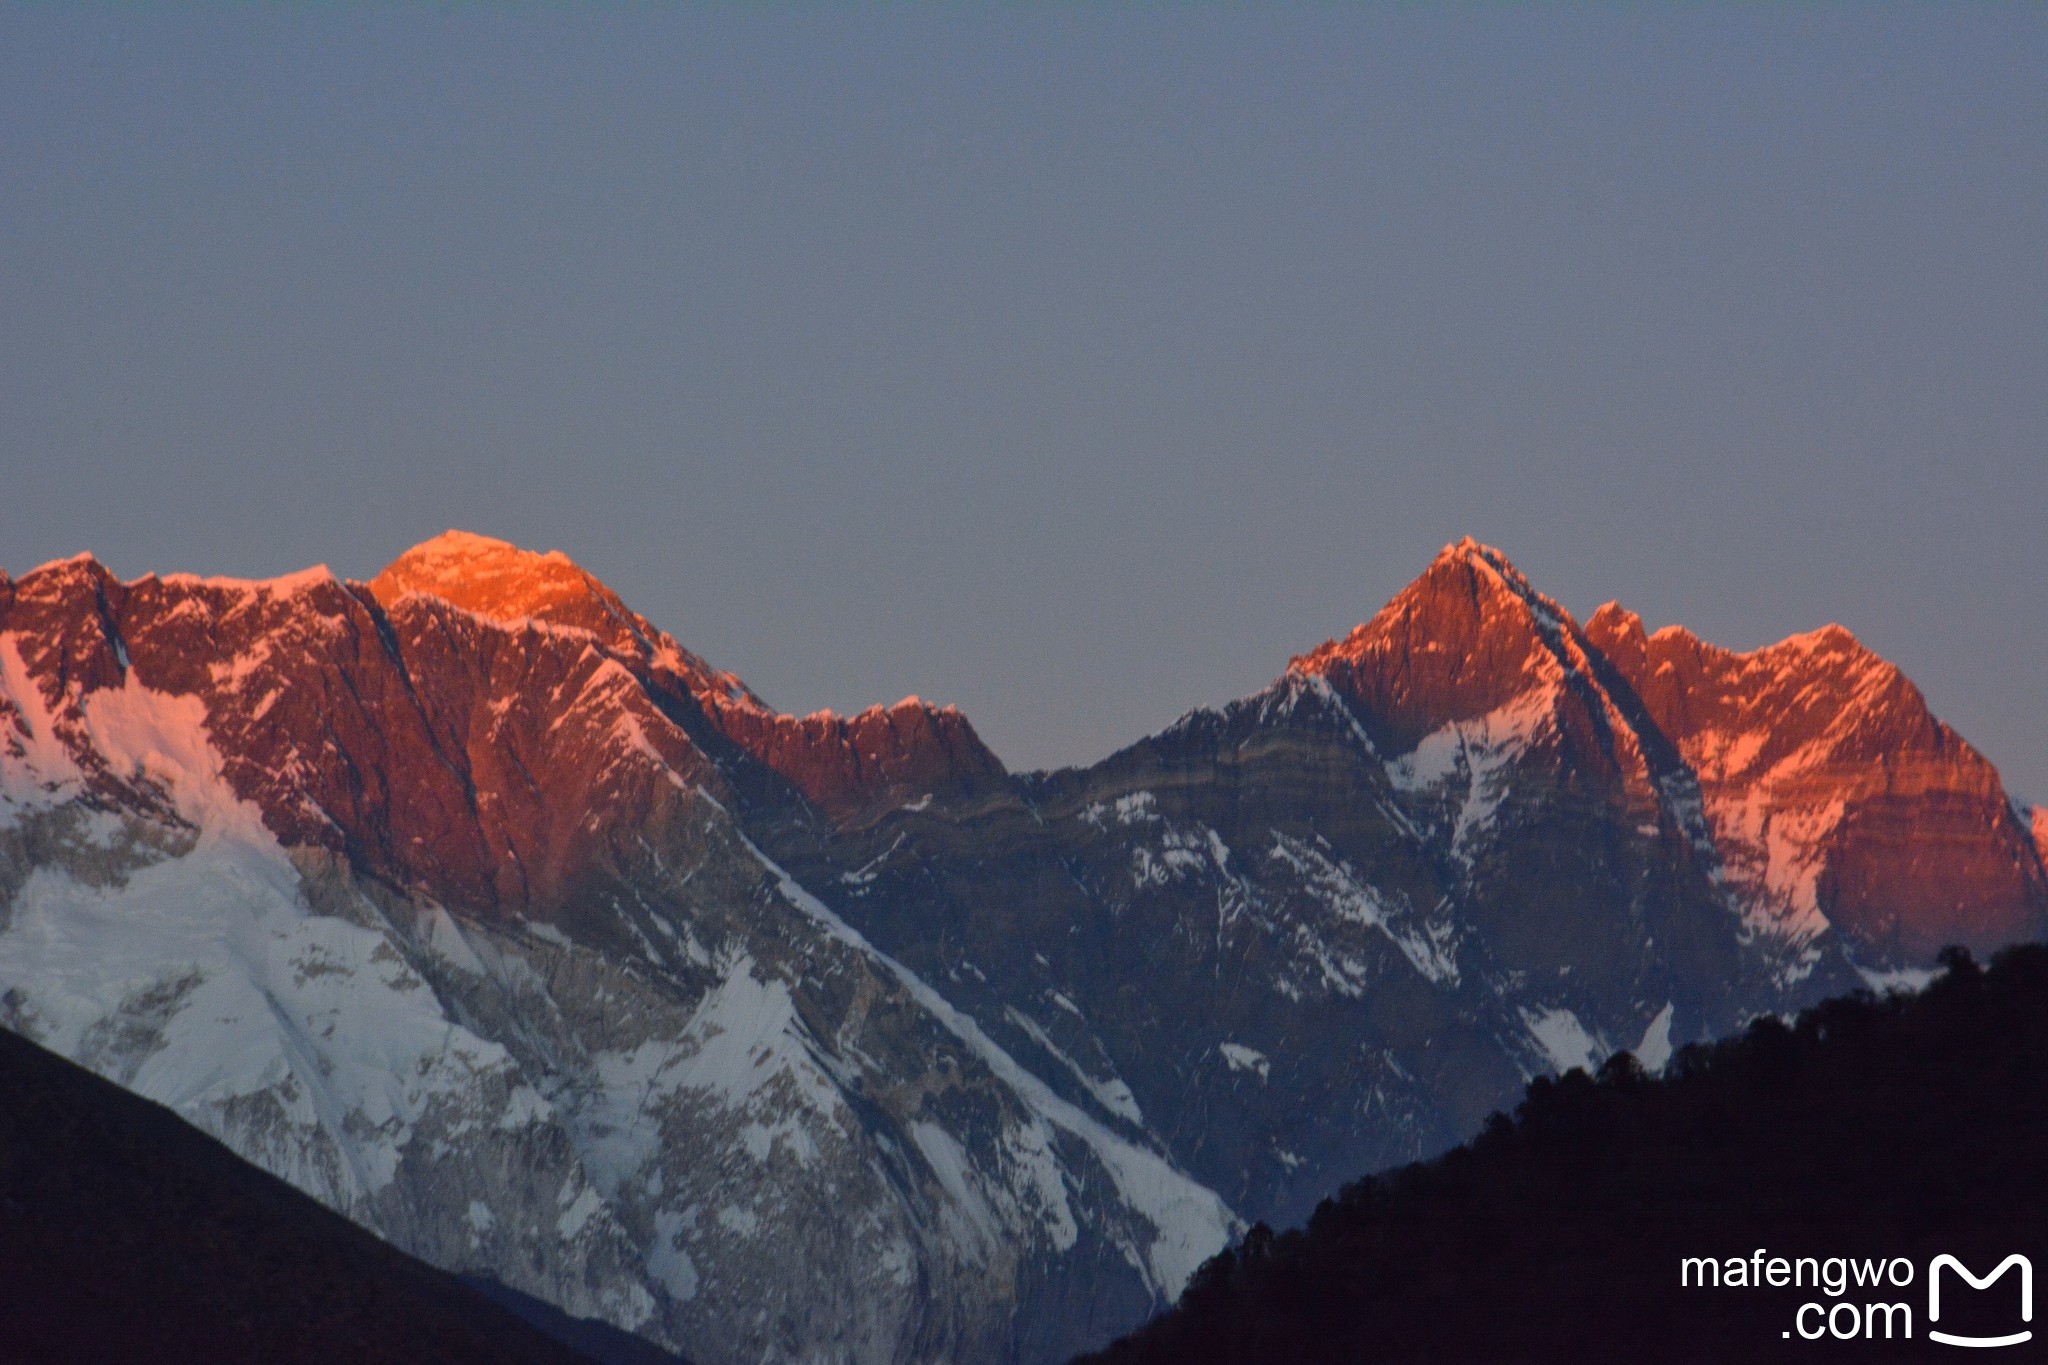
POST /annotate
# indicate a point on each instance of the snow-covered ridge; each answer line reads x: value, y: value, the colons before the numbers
x: 280, y: 585
x: 1190, y: 1223
x: 1495, y: 580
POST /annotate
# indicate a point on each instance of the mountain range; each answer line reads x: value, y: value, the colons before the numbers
x: 474, y: 905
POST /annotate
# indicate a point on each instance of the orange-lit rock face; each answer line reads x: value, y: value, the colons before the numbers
x: 480, y: 721
x: 504, y: 583
x: 1462, y: 640
x: 1470, y: 652
x: 852, y: 766
x: 1833, y: 791
x: 436, y: 747
x: 491, y: 723
x: 1831, y: 795
x: 501, y: 581
x: 846, y: 766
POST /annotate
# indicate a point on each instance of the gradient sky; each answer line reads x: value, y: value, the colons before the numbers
x: 1077, y: 364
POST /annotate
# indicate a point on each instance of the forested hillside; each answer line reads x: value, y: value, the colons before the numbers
x: 1901, y: 1126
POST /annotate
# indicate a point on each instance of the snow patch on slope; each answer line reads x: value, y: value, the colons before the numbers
x: 39, y: 767
x: 1467, y: 762
x: 1654, y: 1051
x: 1238, y: 1057
x: 218, y: 982
x: 205, y: 981
x: 744, y: 1051
x: 1563, y: 1039
x: 1190, y: 1222
x: 1113, y: 1095
x: 1430, y: 946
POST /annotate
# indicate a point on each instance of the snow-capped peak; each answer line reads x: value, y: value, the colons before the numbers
x: 1485, y: 558
x: 499, y: 580
x: 1471, y: 599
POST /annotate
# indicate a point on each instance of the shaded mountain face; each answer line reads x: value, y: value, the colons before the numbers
x: 1329, y: 927
x: 126, y: 1234
x: 473, y: 904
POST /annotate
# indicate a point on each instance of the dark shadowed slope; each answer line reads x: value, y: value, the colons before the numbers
x: 1873, y: 1128
x: 127, y: 1235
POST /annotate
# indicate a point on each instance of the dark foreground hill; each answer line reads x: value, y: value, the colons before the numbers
x: 127, y: 1235
x: 1872, y: 1128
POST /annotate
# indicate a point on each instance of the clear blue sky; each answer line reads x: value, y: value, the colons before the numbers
x: 1075, y: 364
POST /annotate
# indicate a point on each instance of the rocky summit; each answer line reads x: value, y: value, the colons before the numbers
x: 471, y: 903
